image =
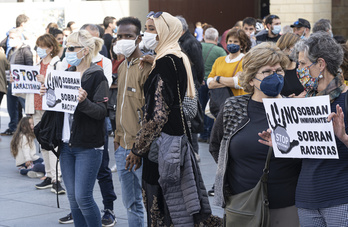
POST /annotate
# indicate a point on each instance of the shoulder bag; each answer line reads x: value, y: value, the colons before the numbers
x: 250, y: 208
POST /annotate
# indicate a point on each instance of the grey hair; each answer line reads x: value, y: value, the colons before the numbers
x: 183, y: 22
x: 92, y: 27
x: 211, y: 34
x: 321, y: 45
x: 322, y: 25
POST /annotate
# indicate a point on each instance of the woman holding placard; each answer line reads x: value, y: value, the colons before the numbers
x: 234, y: 141
x: 83, y: 131
x: 48, y: 50
x: 321, y: 194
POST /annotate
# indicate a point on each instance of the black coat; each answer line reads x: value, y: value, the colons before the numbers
x: 193, y: 49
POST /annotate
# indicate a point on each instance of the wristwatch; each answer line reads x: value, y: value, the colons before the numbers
x: 218, y: 79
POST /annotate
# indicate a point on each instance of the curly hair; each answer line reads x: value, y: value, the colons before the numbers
x: 245, y: 43
x: 23, y: 129
x: 266, y: 53
x: 344, y: 65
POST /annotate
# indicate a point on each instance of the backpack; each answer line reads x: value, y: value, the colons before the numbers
x: 48, y: 131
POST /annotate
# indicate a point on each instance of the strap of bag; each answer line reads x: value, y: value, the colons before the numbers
x: 180, y: 102
x: 264, y: 177
x: 346, y: 103
x: 235, y: 69
x: 206, y: 56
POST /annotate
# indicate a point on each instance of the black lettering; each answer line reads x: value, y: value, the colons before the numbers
x: 312, y: 110
x: 29, y: 76
x: 15, y: 75
x: 299, y: 135
x: 23, y: 73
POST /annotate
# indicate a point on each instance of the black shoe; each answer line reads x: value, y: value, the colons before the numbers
x: 67, y: 219
x: 211, y: 192
x: 47, y: 183
x: 57, y: 188
x: 202, y: 140
x: 7, y: 132
x: 109, y: 218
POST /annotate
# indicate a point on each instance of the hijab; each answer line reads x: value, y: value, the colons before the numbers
x: 169, y: 30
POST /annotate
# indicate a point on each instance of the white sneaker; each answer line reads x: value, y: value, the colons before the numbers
x: 33, y: 174
x: 113, y: 168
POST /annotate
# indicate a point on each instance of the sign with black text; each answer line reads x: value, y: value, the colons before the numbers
x: 300, y: 128
x: 24, y: 79
x: 62, y: 91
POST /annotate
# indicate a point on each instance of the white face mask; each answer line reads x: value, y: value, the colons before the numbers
x: 150, y: 40
x: 125, y: 47
x: 13, y: 42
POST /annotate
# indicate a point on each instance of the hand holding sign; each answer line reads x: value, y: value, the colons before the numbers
x: 82, y: 95
x: 266, y: 137
x: 339, y: 125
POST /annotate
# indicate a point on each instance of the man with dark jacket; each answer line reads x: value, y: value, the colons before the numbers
x: 19, y: 54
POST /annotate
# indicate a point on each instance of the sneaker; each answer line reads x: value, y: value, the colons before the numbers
x: 211, y: 192
x: 33, y: 174
x: 57, y: 188
x: 47, y: 183
x: 113, y: 168
x: 109, y: 218
x: 67, y: 219
x: 7, y: 132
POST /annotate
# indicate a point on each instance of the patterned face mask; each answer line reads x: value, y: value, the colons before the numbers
x: 308, y: 82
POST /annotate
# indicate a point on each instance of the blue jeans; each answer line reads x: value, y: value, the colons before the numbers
x: 131, y: 189
x: 105, y: 177
x: 12, y: 108
x: 208, y: 122
x: 80, y: 168
x: 38, y: 167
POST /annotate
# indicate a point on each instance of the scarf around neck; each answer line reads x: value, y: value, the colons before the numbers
x: 334, y: 89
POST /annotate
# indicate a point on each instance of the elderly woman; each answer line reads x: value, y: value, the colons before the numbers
x: 292, y: 85
x: 234, y: 144
x: 164, y: 92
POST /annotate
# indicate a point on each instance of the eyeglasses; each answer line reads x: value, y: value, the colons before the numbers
x: 72, y: 48
x: 157, y: 15
x: 269, y: 72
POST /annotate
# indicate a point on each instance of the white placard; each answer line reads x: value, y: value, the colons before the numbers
x: 62, y: 91
x: 25, y: 80
x: 300, y: 128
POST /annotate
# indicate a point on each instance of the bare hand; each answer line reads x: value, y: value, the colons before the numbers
x: 146, y: 58
x: 43, y: 90
x: 82, y: 95
x: 116, y: 145
x: 301, y: 95
x: 132, y: 160
x: 266, y: 137
x: 41, y: 78
x: 338, y: 123
x: 28, y: 163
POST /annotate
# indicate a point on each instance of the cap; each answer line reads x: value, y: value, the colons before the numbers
x: 301, y: 23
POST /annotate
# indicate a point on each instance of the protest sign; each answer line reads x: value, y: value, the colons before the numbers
x: 300, y: 128
x: 62, y: 91
x: 25, y: 80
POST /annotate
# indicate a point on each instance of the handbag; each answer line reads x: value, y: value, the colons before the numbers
x: 250, y: 208
x: 197, y: 123
x: 218, y: 96
x: 154, y: 147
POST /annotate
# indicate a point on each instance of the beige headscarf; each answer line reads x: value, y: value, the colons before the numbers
x: 169, y: 30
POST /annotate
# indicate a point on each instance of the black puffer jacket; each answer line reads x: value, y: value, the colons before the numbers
x: 193, y: 49
x: 24, y: 55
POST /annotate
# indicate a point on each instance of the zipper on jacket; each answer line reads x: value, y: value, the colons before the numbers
x: 124, y: 94
x: 226, y: 159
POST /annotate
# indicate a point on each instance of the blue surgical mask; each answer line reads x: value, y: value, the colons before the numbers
x: 41, y: 52
x: 72, y: 59
x: 115, y: 30
x: 272, y: 85
x: 276, y: 29
x: 331, y: 34
x: 303, y: 35
x: 233, y: 48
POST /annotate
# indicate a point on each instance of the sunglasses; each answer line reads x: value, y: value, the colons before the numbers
x: 72, y: 48
x: 157, y: 15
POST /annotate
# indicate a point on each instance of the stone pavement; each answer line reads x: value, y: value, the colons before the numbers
x: 22, y: 205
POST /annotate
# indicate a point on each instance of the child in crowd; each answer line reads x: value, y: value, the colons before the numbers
x: 23, y: 149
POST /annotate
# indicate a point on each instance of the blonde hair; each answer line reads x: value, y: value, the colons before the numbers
x: 266, y: 53
x: 287, y: 40
x: 84, y: 38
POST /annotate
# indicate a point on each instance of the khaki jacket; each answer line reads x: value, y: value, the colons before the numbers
x: 130, y: 100
x: 4, y: 65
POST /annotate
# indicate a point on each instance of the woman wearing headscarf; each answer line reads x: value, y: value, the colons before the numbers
x: 164, y: 92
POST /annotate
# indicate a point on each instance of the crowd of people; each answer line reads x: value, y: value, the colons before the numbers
x: 152, y: 91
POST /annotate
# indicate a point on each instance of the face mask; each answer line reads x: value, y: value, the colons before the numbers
x: 252, y: 34
x: 276, y: 29
x: 115, y: 30
x: 72, y: 59
x: 41, y: 52
x: 308, y: 82
x: 125, y: 47
x: 150, y: 41
x: 331, y: 34
x: 303, y: 35
x: 271, y: 85
x: 233, y: 48
x: 13, y: 42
